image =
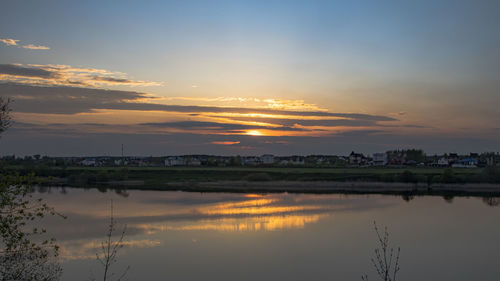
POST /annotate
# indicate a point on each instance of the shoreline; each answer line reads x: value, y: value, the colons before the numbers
x: 318, y: 187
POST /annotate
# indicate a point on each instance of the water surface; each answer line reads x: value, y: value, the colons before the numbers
x: 221, y: 236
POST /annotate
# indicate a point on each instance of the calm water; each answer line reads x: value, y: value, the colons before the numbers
x: 219, y: 236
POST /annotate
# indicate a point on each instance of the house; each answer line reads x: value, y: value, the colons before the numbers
x: 267, y: 159
x: 192, y: 161
x: 465, y: 163
x: 291, y: 160
x: 452, y: 158
x: 356, y: 158
x: 250, y: 161
x: 297, y: 160
x: 88, y: 162
x: 175, y: 161
x: 379, y: 159
x: 443, y: 161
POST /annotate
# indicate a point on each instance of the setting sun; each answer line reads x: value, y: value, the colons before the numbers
x: 254, y: 133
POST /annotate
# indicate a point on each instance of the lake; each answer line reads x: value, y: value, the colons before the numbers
x: 224, y: 236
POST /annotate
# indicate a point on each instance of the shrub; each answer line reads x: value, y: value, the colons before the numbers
x: 258, y: 177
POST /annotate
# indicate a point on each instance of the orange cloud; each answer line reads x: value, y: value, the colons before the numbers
x: 65, y: 75
x: 35, y: 47
x: 225, y: 142
x: 9, y: 41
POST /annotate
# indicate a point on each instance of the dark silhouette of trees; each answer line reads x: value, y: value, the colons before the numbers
x: 21, y: 257
x: 24, y: 254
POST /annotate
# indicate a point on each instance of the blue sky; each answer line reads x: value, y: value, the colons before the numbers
x: 430, y: 65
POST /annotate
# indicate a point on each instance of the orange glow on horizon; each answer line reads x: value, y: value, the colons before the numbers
x: 254, y: 133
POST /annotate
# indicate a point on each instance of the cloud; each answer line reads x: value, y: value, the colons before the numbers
x: 65, y: 75
x: 17, y: 70
x: 215, y: 126
x: 13, y: 42
x: 311, y: 122
x: 280, y: 104
x: 70, y: 100
x: 243, y: 110
x: 225, y: 142
x: 62, y: 99
x: 9, y: 41
x: 35, y: 47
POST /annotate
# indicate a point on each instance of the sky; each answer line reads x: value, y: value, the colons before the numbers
x: 250, y: 77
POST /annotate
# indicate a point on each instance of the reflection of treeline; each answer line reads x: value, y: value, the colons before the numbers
x: 97, y: 177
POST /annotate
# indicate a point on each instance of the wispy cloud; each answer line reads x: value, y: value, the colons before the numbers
x: 35, y: 47
x: 279, y: 104
x: 9, y: 41
x: 66, y: 75
x: 70, y: 100
x: 20, y: 71
x: 221, y: 128
x: 225, y: 142
x: 13, y: 42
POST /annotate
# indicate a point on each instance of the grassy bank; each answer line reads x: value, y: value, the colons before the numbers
x: 383, y: 180
x: 161, y: 176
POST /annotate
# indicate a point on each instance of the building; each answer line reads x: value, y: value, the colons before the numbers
x: 443, y: 162
x: 465, y: 163
x: 292, y: 160
x: 192, y: 161
x: 357, y: 158
x: 379, y: 159
x: 175, y: 161
x: 267, y: 159
x: 88, y: 162
x: 250, y: 161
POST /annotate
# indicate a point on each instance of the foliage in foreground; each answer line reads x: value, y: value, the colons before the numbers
x: 24, y: 255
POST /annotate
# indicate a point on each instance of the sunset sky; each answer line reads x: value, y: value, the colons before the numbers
x: 250, y: 77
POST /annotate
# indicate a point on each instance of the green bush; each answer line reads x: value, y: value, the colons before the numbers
x: 448, y: 176
x: 258, y: 177
x: 491, y: 174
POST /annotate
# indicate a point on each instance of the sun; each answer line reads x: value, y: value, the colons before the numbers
x: 254, y: 133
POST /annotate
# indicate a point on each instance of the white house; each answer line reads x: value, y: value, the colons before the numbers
x: 443, y: 161
x: 250, y: 161
x: 175, y: 161
x: 379, y: 159
x: 88, y: 162
x: 267, y: 159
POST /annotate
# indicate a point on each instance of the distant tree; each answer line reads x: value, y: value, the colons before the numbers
x: 235, y: 161
x: 386, y: 259
x: 416, y: 155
